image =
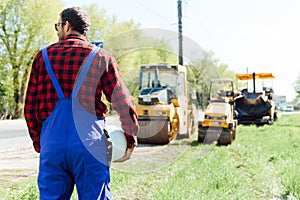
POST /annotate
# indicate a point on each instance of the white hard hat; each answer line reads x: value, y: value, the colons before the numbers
x: 118, y: 140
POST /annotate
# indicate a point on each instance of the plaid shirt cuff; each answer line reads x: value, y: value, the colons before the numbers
x: 131, y: 140
x: 36, y: 146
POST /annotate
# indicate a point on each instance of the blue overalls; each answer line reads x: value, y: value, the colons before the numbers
x: 73, y: 146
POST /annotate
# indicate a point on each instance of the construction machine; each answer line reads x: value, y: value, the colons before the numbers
x: 163, y: 108
x: 218, y: 123
x: 256, y: 105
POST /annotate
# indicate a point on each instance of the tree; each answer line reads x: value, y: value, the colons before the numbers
x: 24, y: 29
x: 27, y: 25
x: 128, y: 44
x: 113, y: 34
x: 225, y: 73
x: 203, y: 70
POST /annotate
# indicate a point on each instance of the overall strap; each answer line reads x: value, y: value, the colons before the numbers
x: 51, y: 74
x: 84, y: 70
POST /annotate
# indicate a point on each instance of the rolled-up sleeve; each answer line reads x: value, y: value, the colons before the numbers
x: 118, y: 94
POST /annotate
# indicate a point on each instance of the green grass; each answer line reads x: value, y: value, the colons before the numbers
x: 262, y: 163
x: 25, y: 190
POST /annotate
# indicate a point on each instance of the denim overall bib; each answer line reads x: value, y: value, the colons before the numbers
x: 73, y: 146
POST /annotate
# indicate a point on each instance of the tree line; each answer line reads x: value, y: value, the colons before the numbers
x: 26, y: 26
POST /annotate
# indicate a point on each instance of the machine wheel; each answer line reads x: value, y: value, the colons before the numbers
x: 270, y: 122
x: 226, y: 138
x: 275, y: 117
x: 233, y: 135
x: 157, y: 133
x: 201, y: 138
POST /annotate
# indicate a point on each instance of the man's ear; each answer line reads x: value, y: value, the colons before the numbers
x: 68, y: 26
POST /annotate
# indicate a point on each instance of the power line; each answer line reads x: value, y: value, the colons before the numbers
x: 195, y: 16
x: 154, y: 11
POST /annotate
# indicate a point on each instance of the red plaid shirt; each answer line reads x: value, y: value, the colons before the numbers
x: 104, y: 77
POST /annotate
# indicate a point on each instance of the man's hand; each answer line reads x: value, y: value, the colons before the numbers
x: 129, y: 150
x: 127, y: 155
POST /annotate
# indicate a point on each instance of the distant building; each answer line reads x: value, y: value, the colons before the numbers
x: 279, y: 99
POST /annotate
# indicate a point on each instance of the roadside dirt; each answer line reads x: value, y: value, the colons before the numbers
x: 22, y: 163
x: 17, y: 165
x: 19, y: 161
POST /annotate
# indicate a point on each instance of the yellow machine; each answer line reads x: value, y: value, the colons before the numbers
x: 163, y: 109
x: 219, y: 123
x: 255, y: 105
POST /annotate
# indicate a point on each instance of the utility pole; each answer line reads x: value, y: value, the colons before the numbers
x: 180, y: 58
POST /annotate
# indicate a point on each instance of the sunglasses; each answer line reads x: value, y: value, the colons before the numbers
x: 57, y: 24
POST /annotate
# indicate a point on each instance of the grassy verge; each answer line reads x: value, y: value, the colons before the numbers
x: 25, y: 190
x: 262, y: 163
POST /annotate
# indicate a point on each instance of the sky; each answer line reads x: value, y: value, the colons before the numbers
x: 258, y: 35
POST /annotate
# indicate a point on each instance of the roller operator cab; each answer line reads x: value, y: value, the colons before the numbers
x: 163, y: 109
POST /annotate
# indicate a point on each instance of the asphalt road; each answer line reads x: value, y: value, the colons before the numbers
x: 14, y: 134
x: 12, y: 129
x: 17, y: 153
x: 16, y: 150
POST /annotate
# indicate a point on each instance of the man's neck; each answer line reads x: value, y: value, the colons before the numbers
x: 74, y: 32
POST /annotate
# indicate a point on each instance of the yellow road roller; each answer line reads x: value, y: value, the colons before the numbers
x: 163, y: 108
x: 218, y: 123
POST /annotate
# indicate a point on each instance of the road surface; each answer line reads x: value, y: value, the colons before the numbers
x: 18, y: 155
x: 16, y: 151
x: 14, y: 134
